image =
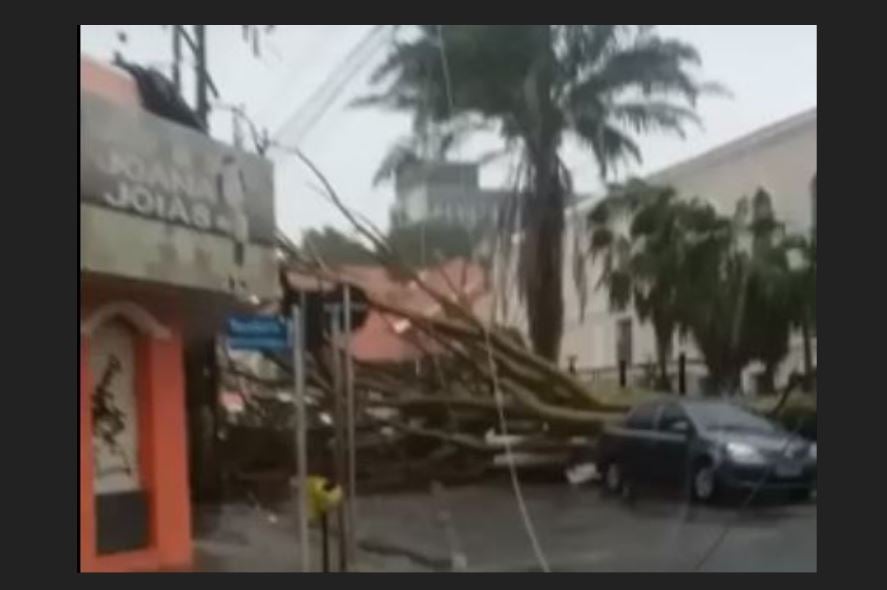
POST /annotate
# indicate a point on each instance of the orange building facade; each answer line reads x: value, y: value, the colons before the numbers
x: 154, y: 325
x: 154, y: 276
x: 154, y: 328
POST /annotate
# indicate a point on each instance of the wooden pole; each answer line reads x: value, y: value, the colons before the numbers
x: 177, y: 57
x: 351, y: 488
x: 339, y: 431
x: 682, y: 374
x: 200, y: 72
x: 325, y: 541
x: 301, y: 434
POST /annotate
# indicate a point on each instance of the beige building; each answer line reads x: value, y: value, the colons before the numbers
x: 780, y: 158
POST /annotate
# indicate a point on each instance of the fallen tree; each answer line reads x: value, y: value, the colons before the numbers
x: 484, y: 379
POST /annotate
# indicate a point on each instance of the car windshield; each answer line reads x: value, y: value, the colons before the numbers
x: 726, y: 416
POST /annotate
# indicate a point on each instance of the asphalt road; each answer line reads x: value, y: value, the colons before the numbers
x: 578, y: 530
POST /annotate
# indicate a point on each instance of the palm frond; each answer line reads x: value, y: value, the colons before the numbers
x: 651, y: 65
x: 609, y: 144
x: 400, y: 155
x: 644, y: 117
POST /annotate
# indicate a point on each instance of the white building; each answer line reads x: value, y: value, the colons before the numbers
x: 780, y: 158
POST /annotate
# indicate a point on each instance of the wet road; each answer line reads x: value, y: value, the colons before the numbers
x: 577, y: 530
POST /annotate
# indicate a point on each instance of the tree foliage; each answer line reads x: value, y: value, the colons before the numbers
x: 738, y: 285
x: 335, y: 248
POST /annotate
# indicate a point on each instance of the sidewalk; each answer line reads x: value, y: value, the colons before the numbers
x: 244, y: 539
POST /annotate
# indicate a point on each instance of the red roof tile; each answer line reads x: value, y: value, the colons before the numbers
x: 386, y: 338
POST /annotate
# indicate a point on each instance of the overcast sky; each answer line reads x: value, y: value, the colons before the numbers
x: 770, y: 70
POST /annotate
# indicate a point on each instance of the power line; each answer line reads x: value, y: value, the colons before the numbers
x: 448, y: 85
x: 306, y: 117
x: 326, y: 96
x: 293, y: 74
x: 497, y: 393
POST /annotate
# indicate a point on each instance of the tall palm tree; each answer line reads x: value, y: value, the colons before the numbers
x: 539, y: 84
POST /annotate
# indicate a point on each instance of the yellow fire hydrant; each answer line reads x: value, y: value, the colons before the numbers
x: 323, y: 497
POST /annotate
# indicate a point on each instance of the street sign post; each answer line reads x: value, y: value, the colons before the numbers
x: 298, y: 331
x: 274, y: 334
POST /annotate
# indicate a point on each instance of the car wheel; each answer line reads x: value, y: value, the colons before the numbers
x: 613, y: 478
x: 801, y: 495
x: 704, y: 483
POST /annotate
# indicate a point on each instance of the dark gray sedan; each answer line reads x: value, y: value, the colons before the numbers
x: 706, y: 446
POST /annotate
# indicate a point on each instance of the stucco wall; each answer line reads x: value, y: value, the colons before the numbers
x: 124, y: 245
x: 162, y: 437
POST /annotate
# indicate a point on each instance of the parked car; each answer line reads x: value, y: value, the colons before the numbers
x: 706, y: 446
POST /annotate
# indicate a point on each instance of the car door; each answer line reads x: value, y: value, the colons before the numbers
x: 669, y: 453
x: 639, y: 440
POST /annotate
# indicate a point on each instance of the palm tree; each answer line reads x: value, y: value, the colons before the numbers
x: 802, y: 294
x: 428, y: 141
x: 769, y: 306
x: 713, y: 278
x: 738, y: 296
x: 638, y: 234
x: 537, y: 85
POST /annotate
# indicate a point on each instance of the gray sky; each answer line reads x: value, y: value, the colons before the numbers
x: 770, y: 69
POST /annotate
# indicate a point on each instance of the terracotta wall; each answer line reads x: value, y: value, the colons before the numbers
x: 162, y: 437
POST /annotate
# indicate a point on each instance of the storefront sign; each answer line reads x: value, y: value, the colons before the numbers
x: 141, y: 164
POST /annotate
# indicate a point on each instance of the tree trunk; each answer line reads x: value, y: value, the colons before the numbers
x: 663, y: 351
x: 542, y: 254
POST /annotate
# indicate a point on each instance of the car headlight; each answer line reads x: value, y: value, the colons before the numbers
x: 744, y: 453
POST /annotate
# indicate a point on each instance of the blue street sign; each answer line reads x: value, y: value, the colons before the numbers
x: 258, y: 332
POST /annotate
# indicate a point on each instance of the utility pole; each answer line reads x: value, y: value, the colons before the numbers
x: 339, y: 445
x: 350, y: 443
x: 301, y: 428
x: 203, y: 81
x: 177, y: 57
x: 200, y: 73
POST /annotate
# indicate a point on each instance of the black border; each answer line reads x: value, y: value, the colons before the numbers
x: 850, y: 326
x: 41, y: 459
